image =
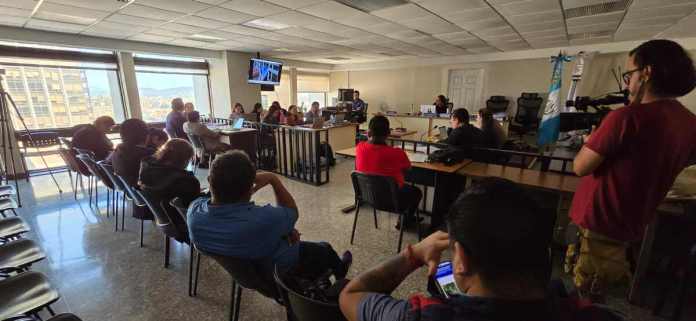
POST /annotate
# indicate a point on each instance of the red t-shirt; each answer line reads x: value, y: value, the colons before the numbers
x: 381, y: 160
x: 645, y: 147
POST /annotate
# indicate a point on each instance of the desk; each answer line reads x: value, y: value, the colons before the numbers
x: 527, y: 177
x: 448, y: 185
x: 401, y: 133
x: 242, y: 139
x: 424, y: 125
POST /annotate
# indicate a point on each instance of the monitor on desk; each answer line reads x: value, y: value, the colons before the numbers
x: 427, y: 109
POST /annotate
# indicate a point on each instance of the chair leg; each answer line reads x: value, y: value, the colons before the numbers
x: 108, y: 203
x: 418, y: 223
x: 355, y: 221
x: 374, y: 213
x: 71, y: 179
x: 123, y: 210
x: 14, y: 212
x: 116, y: 211
x: 74, y: 188
x: 237, y: 302
x: 48, y: 307
x: 232, y: 299
x: 190, y: 279
x: 142, y: 223
x: 166, y: 251
x: 401, y: 232
x: 198, y: 269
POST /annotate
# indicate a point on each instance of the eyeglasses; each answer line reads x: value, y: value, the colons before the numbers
x: 627, y: 75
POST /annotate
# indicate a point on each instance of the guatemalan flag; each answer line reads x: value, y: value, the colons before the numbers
x: 550, y: 122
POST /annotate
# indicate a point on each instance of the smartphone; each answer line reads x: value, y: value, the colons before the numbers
x: 444, y: 280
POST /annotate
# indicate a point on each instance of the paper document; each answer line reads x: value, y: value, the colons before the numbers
x: 417, y: 157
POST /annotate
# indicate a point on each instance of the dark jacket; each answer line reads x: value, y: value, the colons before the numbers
x: 175, y: 125
x: 163, y: 183
x: 464, y: 137
x: 126, y: 161
x: 87, y: 136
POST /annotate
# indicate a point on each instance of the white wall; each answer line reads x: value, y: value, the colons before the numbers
x: 398, y: 88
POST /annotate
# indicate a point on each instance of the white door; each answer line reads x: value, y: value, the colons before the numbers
x: 465, y: 86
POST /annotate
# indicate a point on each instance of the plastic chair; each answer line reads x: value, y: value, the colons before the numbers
x: 118, y: 188
x: 60, y: 317
x: 19, y: 255
x: 86, y: 171
x: 199, y: 151
x: 303, y: 308
x: 382, y: 193
x: 497, y: 104
x: 171, y: 230
x: 99, y: 175
x: 137, y: 200
x: 8, y: 204
x: 247, y: 274
x: 26, y: 293
x: 12, y: 228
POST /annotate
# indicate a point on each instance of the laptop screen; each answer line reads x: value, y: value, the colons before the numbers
x: 238, y: 123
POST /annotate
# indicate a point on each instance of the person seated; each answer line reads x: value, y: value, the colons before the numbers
x: 228, y: 223
x: 237, y: 111
x: 440, y: 104
x: 188, y: 107
x: 314, y: 114
x: 274, y: 116
x: 501, y: 271
x: 377, y: 158
x: 462, y: 134
x: 93, y: 137
x: 156, y: 138
x: 132, y: 149
x: 210, y: 139
x: 175, y: 120
x: 258, y: 110
x: 359, y: 108
x: 294, y: 116
x: 492, y: 132
x: 164, y: 177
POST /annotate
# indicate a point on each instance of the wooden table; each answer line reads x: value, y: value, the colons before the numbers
x: 401, y: 133
x: 527, y: 177
x: 437, y: 167
x: 242, y: 139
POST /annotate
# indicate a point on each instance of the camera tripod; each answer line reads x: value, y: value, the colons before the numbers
x: 9, y: 166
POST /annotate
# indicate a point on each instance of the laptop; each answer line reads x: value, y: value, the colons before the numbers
x: 339, y: 117
x: 443, y: 132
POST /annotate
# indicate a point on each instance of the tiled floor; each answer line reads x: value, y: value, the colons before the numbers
x: 103, y: 275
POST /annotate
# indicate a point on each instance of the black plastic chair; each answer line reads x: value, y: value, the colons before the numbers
x: 99, y: 175
x: 527, y: 115
x: 171, y: 230
x: 247, y: 274
x: 92, y: 182
x: 497, y: 104
x: 8, y: 204
x: 26, y: 294
x: 303, y: 308
x: 137, y: 201
x: 19, y: 255
x: 382, y: 193
x: 12, y: 228
x: 199, y: 151
x: 119, y: 188
x: 60, y: 317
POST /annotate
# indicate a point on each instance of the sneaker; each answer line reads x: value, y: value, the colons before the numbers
x: 408, y: 223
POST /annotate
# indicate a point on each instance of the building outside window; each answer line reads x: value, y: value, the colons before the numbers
x: 161, y: 79
x: 312, y: 87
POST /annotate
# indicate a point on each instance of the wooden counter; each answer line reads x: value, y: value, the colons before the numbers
x: 526, y: 177
x: 438, y: 167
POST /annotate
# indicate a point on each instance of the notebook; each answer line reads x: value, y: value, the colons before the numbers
x: 417, y: 157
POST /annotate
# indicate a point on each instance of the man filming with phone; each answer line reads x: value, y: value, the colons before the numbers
x: 500, y: 271
x: 629, y: 164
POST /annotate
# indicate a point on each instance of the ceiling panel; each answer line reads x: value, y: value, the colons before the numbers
x: 12, y: 21
x: 183, y: 6
x: 226, y: 15
x: 15, y: 12
x: 182, y: 28
x: 535, y: 17
x: 294, y: 18
x: 570, y: 4
x: 674, y: 10
x: 472, y: 15
x: 445, y: 7
x: 403, y: 12
x: 528, y: 7
x: 189, y: 43
x: 133, y: 20
x: 332, y: 10
x: 104, y: 5
x: 612, y: 17
x: 481, y: 50
x: 481, y: 24
x: 54, y: 26
x: 338, y: 29
x: 69, y: 14
x: 295, y: 4
x: 593, y: 28
x: 431, y: 25
x: 213, y: 2
x: 21, y: 4
x: 201, y: 22
x: 658, y: 20
x: 164, y: 33
x: 309, y: 34
x: 150, y: 38
x: 546, y: 25
x: 589, y: 41
x: 254, y: 7
x: 150, y: 12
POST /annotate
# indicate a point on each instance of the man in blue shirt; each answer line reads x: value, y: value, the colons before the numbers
x: 174, y: 125
x: 359, y: 108
x: 230, y: 224
x: 499, y: 239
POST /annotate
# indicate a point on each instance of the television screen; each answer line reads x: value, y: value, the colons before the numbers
x: 264, y: 72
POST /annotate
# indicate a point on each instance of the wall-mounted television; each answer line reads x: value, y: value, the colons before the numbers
x: 264, y: 72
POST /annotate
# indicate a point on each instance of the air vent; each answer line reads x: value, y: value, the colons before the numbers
x: 596, y: 9
x: 372, y: 5
x: 590, y: 35
x: 337, y: 58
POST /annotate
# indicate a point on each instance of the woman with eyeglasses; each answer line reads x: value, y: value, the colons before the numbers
x: 629, y: 163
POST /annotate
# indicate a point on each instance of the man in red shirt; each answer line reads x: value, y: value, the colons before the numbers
x: 630, y: 162
x: 377, y: 158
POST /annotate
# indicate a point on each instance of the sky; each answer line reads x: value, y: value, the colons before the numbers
x: 98, y: 80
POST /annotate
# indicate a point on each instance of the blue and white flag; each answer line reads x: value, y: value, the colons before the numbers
x: 550, y: 122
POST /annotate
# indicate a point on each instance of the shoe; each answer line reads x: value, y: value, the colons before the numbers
x: 347, y: 259
x: 408, y: 223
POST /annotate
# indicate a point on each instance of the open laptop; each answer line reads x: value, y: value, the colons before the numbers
x: 237, y: 125
x: 339, y: 117
x: 443, y: 132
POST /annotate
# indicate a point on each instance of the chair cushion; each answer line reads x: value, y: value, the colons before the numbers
x: 7, y: 190
x: 12, y: 226
x: 17, y: 254
x: 24, y: 293
x: 7, y: 203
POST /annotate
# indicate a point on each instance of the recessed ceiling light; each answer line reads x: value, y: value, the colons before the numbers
x: 265, y: 24
x: 199, y: 36
x: 285, y: 50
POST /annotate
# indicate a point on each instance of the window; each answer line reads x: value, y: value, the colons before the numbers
x: 53, y: 91
x: 161, y: 79
x: 305, y: 100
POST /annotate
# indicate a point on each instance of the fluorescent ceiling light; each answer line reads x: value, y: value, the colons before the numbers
x: 204, y: 37
x: 265, y: 24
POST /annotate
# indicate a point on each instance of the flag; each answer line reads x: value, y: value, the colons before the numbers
x: 550, y: 122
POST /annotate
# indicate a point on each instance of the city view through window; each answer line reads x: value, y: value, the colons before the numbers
x: 56, y: 97
x: 158, y: 89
